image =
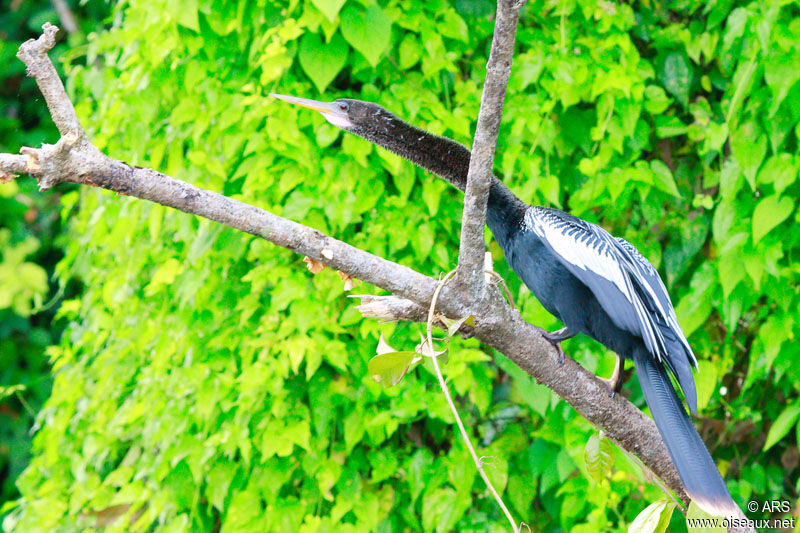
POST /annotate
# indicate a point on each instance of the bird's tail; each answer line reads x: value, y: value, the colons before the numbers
x: 696, y: 468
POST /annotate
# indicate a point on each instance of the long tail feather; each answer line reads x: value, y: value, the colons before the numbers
x: 696, y: 468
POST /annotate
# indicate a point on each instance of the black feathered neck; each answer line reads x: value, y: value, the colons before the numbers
x: 442, y: 156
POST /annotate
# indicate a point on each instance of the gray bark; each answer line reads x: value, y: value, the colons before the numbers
x: 498, y: 70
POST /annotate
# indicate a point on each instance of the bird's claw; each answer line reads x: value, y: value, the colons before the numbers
x: 609, y: 383
x: 555, y: 338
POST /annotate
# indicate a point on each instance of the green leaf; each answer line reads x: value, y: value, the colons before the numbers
x: 496, y: 469
x: 6, y: 508
x: 780, y: 125
x: 754, y: 266
x: 409, y: 52
x: 730, y: 179
x: 244, y: 511
x: 353, y: 429
x: 782, y: 425
x: 780, y: 75
x: 780, y: 170
x: 384, y: 464
x: 418, y: 471
x: 389, y: 368
x: 432, y: 195
x: 675, y: 74
x: 663, y: 177
x: 716, y: 135
x: 460, y: 471
x: 656, y: 99
x: 164, y: 275
x: 440, y: 510
x: 185, y: 13
x: 180, y: 483
x: 654, y: 518
x: 695, y: 306
x: 749, y: 146
x: 453, y: 328
x: 521, y: 491
x: 475, y: 8
x: 730, y: 271
x: 599, y: 456
x: 537, y: 396
x: 705, y: 381
x: 329, y: 8
x: 219, y: 481
x: 453, y: 26
x: 33, y: 277
x: 770, y: 212
x: 322, y: 62
x: 367, y: 31
x: 667, y: 126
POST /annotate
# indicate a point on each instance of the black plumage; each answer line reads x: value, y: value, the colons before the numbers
x: 594, y: 283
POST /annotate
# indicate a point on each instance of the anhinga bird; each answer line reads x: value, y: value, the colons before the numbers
x: 594, y: 283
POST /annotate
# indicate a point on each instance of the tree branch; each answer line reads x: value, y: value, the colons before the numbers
x: 65, y: 15
x: 498, y: 70
x: 34, y: 54
x: 73, y: 159
x: 11, y: 165
x: 396, y: 309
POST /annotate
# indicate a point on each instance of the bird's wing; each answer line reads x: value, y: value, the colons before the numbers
x: 626, y: 285
x: 657, y: 293
x: 678, y: 356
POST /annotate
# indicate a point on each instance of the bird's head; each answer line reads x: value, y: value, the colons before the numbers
x: 354, y: 116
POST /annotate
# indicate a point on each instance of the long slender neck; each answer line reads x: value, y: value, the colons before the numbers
x: 447, y: 159
x: 444, y: 157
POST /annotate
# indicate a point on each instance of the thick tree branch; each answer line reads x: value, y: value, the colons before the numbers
x: 498, y: 70
x: 73, y: 159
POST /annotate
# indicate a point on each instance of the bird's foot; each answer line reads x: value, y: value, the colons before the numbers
x: 555, y: 338
x: 614, y: 383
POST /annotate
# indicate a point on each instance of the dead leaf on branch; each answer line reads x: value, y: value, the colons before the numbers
x: 349, y: 282
x: 6, y: 177
x: 313, y: 265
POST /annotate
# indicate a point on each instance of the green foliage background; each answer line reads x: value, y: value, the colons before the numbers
x: 29, y: 249
x: 206, y: 380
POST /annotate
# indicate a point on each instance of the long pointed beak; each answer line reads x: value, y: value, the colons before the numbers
x: 322, y: 107
x: 330, y: 110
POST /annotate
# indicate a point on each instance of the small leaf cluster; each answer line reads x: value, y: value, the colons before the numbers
x: 208, y: 381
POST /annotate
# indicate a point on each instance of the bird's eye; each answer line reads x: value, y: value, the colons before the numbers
x: 343, y: 106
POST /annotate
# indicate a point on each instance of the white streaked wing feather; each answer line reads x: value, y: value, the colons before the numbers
x: 592, y: 249
x: 636, y: 262
x: 585, y: 253
x: 658, y: 293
